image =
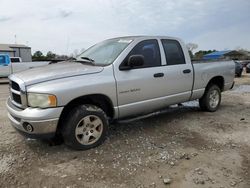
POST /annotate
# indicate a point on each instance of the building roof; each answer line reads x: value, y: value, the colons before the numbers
x: 218, y: 53
x: 4, y: 47
x: 18, y: 46
x: 223, y: 54
x: 9, y: 47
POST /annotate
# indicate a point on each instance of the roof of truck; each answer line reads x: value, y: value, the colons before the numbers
x: 145, y: 37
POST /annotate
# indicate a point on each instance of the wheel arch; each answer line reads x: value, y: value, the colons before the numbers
x: 100, y: 100
x: 217, y: 80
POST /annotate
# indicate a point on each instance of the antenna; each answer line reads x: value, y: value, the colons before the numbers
x: 15, y: 38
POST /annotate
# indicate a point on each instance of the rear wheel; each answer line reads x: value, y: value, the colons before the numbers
x: 85, y: 127
x: 211, y: 99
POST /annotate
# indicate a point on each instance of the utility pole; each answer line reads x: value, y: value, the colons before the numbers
x: 15, y: 39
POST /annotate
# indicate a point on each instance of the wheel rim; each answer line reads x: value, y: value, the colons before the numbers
x: 214, y: 98
x: 88, y: 130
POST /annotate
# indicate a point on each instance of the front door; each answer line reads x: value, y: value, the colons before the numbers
x: 139, y: 90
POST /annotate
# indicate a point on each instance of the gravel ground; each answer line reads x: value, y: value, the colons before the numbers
x: 179, y: 147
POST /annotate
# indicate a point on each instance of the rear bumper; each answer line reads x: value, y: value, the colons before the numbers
x: 43, y: 122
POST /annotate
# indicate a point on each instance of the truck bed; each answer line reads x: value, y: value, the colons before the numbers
x: 207, y: 69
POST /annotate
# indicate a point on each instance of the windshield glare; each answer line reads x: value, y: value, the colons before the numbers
x: 106, y: 52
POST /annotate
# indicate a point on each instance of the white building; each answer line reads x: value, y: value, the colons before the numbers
x: 17, y: 50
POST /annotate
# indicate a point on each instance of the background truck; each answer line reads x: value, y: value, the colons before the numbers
x: 9, y: 65
x: 115, y: 79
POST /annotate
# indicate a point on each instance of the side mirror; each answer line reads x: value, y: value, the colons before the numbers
x: 135, y: 60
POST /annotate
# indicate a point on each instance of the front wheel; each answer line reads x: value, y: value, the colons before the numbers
x: 211, y: 99
x: 86, y: 127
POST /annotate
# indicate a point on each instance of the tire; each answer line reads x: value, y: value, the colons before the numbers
x: 211, y: 99
x: 85, y: 127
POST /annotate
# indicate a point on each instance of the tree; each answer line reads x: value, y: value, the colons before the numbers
x: 50, y: 55
x: 191, y: 54
x: 191, y: 47
x: 38, y: 54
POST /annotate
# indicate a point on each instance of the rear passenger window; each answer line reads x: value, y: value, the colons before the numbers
x: 151, y: 52
x: 173, y: 52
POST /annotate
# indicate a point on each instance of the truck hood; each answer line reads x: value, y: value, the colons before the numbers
x: 56, y: 71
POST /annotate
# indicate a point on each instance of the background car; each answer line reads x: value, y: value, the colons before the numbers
x: 248, y: 68
x: 238, y: 69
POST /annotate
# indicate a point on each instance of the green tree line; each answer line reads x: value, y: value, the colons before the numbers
x: 39, y: 56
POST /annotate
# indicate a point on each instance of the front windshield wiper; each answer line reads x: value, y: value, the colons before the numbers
x: 89, y: 59
x: 84, y: 60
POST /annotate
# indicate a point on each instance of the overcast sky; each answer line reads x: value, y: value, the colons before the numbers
x: 62, y: 26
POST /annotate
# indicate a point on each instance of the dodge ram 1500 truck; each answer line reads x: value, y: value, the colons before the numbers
x: 115, y: 79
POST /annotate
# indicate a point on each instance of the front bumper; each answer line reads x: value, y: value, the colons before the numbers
x: 43, y: 121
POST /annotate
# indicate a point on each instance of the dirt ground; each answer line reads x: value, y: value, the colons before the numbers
x: 179, y: 147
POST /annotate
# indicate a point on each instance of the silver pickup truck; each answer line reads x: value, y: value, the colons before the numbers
x: 9, y: 65
x: 115, y: 79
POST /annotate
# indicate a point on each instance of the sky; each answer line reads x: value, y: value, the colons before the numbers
x: 64, y: 26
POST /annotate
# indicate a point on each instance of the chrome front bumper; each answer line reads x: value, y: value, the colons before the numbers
x: 43, y: 121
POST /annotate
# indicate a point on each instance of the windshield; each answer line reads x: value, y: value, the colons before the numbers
x: 106, y: 52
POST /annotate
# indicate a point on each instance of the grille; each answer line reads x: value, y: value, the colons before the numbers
x: 17, y: 98
x: 17, y: 95
x: 15, y: 86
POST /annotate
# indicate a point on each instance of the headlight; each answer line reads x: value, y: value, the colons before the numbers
x: 41, y: 100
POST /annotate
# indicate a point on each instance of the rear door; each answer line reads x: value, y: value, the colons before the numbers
x: 178, y: 79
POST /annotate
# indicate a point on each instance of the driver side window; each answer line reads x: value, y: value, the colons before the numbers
x: 149, y: 49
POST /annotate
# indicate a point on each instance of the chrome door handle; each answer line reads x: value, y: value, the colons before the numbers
x: 157, y: 75
x: 186, y: 71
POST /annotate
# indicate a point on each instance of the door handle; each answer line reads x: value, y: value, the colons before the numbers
x: 186, y: 71
x: 157, y: 75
